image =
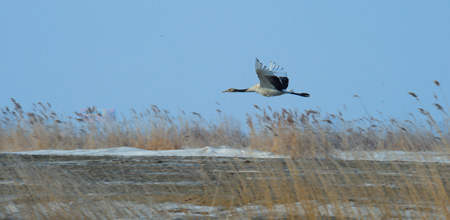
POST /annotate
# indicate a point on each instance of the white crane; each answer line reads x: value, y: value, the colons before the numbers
x: 272, y: 81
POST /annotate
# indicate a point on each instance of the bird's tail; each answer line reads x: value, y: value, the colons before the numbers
x: 299, y: 94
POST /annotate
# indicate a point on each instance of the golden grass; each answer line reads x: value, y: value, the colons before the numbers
x: 310, y: 184
x: 310, y: 133
x: 154, y: 129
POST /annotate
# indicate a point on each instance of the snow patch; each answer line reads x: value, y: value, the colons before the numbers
x: 423, y: 156
x: 223, y: 151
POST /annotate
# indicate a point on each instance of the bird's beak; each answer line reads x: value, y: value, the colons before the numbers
x: 226, y: 91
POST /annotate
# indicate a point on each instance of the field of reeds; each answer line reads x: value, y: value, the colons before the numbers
x: 308, y: 184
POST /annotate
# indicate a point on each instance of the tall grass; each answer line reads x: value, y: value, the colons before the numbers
x: 292, y: 132
x: 310, y: 184
x: 42, y: 128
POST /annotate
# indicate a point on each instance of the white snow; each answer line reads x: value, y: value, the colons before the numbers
x: 223, y: 151
x: 422, y: 156
x: 171, y: 210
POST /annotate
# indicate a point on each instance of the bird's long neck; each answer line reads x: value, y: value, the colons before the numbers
x: 240, y: 90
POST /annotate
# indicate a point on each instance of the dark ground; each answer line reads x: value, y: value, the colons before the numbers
x: 227, y: 182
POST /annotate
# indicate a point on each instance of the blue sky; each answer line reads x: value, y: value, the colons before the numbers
x: 180, y: 55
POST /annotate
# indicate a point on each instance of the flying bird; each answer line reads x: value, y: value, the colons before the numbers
x: 272, y: 81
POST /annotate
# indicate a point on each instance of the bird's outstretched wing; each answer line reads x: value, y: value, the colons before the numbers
x: 272, y: 77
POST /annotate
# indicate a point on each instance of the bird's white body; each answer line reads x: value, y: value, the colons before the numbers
x: 272, y: 81
x: 268, y: 92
